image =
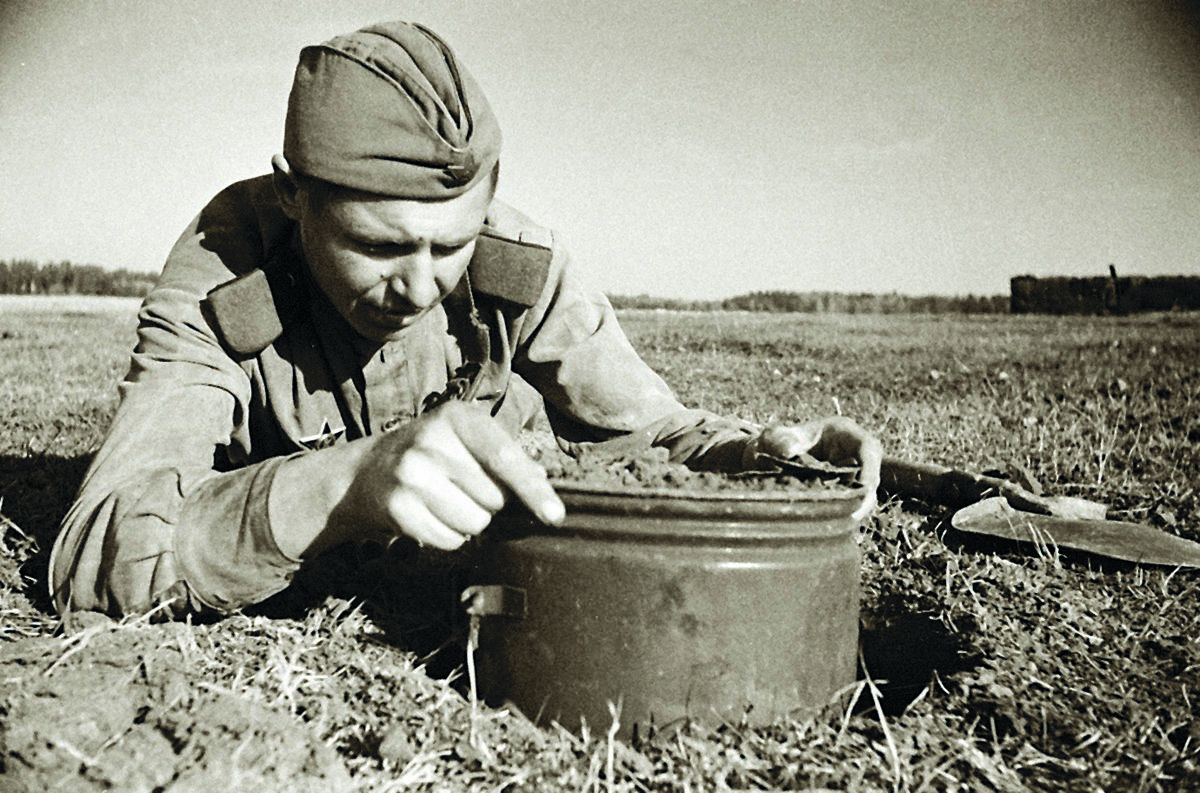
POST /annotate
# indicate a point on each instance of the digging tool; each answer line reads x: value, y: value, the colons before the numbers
x: 956, y: 489
x: 999, y: 508
x: 1131, y: 542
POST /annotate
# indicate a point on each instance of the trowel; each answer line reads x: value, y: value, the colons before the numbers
x: 999, y: 508
x: 1131, y: 542
x: 996, y: 507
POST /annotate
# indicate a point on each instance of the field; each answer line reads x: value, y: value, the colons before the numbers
x: 987, y: 666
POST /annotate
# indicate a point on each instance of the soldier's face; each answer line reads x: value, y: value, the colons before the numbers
x: 385, y: 262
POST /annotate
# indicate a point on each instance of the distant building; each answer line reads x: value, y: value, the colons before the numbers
x: 1104, y: 295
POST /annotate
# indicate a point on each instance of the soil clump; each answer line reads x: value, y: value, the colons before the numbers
x: 651, y: 469
x: 120, y: 710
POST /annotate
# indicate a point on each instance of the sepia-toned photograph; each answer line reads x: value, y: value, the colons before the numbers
x: 461, y: 395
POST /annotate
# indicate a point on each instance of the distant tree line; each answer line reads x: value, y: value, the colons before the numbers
x: 827, y: 303
x: 27, y: 277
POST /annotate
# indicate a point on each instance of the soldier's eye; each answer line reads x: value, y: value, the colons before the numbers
x: 375, y: 249
x: 448, y: 250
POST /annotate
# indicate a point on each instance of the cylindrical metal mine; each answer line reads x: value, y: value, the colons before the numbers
x: 673, y: 605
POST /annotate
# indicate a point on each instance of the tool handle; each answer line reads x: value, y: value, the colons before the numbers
x: 950, y: 487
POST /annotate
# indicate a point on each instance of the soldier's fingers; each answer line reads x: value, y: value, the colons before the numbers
x: 786, y: 441
x: 445, y: 498
x: 871, y: 455
x: 842, y: 441
x: 846, y: 442
x: 865, y: 509
x: 437, y: 443
x: 504, y: 460
x: 416, y: 520
x: 449, y: 456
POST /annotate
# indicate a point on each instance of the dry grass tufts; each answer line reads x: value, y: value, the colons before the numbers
x: 985, y: 666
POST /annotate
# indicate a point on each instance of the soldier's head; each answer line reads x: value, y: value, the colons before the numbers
x: 390, y: 161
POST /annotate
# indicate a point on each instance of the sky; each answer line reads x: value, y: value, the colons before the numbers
x: 688, y: 150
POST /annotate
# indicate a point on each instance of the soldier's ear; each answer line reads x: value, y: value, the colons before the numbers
x: 287, y: 187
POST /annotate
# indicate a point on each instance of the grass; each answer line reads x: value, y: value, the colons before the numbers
x: 988, y: 667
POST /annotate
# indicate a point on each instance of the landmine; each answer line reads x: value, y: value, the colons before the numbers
x: 667, y: 595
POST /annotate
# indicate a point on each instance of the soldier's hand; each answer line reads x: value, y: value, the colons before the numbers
x: 837, y: 440
x: 440, y: 479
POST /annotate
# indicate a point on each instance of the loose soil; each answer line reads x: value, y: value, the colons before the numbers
x: 122, y: 710
x: 651, y: 469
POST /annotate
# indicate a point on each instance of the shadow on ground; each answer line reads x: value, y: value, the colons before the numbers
x: 905, y: 653
x: 37, y: 490
x: 411, y: 596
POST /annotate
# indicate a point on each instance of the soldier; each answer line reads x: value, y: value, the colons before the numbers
x: 345, y: 348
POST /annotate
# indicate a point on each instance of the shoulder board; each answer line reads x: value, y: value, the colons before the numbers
x: 510, y: 269
x: 249, y: 312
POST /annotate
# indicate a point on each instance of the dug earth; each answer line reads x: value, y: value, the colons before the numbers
x: 650, y: 469
x: 118, y: 710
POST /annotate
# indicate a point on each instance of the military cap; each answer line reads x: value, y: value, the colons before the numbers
x: 388, y: 109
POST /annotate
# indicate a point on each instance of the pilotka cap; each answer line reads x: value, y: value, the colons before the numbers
x: 389, y: 110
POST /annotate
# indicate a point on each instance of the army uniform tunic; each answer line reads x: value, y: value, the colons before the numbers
x: 241, y: 363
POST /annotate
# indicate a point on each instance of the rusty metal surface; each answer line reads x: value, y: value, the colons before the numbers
x: 711, y: 608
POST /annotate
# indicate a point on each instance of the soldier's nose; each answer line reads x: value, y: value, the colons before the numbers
x: 423, y: 293
x: 415, y: 282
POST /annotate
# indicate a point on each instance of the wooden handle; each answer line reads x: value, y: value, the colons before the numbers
x: 949, y: 487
